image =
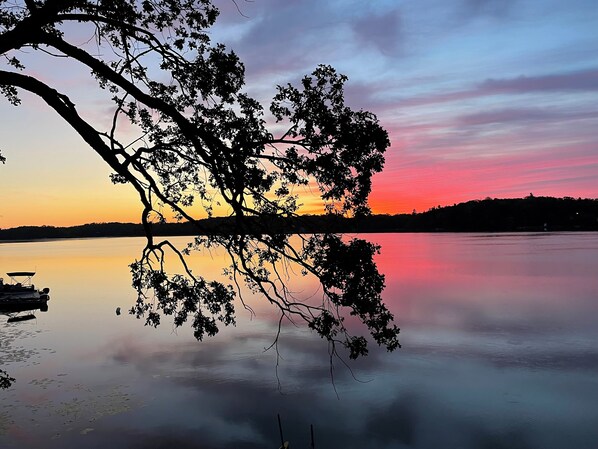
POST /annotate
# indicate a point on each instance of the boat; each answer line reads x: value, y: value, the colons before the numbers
x: 20, y: 294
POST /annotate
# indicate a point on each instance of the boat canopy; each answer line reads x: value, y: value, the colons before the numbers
x: 21, y: 274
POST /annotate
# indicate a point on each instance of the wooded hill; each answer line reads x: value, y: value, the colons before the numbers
x: 489, y: 215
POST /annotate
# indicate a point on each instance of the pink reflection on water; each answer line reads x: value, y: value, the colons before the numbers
x: 453, y: 279
x: 497, y: 330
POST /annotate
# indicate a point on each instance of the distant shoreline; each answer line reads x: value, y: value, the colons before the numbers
x: 530, y: 214
x: 481, y: 233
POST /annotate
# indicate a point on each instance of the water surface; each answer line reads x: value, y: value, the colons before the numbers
x: 499, y: 336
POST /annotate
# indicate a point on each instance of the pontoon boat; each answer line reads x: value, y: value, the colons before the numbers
x: 21, y: 294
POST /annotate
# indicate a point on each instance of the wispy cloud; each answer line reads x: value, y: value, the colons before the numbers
x: 383, y: 31
x: 584, y: 80
x: 578, y: 81
x: 523, y: 115
x: 494, y: 8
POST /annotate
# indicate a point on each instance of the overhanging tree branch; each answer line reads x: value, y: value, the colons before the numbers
x: 202, y: 139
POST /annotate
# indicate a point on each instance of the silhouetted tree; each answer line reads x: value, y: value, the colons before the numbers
x: 203, y: 141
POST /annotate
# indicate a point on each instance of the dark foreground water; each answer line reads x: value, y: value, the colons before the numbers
x: 500, y: 350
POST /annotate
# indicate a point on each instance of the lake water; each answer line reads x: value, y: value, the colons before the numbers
x: 500, y: 350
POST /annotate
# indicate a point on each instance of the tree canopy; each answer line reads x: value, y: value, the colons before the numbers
x: 201, y: 141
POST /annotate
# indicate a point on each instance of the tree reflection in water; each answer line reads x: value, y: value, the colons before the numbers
x: 491, y: 357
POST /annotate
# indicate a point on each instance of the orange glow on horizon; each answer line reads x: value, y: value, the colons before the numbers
x: 85, y: 195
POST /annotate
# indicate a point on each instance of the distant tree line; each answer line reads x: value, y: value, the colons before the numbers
x: 507, y: 215
x: 488, y: 215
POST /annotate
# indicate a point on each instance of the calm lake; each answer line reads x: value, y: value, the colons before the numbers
x: 500, y: 350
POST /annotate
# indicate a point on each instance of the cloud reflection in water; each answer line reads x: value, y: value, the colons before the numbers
x: 499, y: 351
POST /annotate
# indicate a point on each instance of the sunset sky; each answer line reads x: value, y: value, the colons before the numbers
x: 481, y: 98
